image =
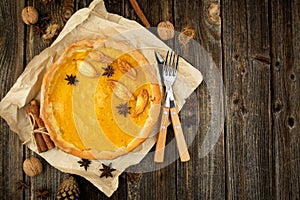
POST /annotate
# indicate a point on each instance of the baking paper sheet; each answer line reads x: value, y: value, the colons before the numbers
x: 90, y: 23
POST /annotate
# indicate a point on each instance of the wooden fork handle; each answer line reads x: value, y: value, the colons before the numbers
x: 162, y: 135
x: 181, y: 144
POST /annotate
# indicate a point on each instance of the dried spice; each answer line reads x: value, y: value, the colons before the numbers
x: 139, y: 13
x: 51, y: 32
x: 21, y: 185
x: 42, y: 193
x: 141, y: 102
x: 84, y: 163
x: 123, y: 109
x: 71, y: 79
x: 108, y: 71
x: 120, y: 90
x: 106, y: 171
x: 43, y: 140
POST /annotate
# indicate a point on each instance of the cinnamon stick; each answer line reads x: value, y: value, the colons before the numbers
x: 35, y: 111
x: 40, y: 143
x: 140, y: 13
x: 34, y: 104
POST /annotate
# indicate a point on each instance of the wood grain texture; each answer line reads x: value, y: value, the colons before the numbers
x: 34, y: 44
x: 11, y: 66
x: 249, y: 164
x: 254, y: 44
x: 200, y: 178
x: 285, y: 90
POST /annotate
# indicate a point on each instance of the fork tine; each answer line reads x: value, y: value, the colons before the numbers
x: 165, y: 63
x: 171, y: 63
x: 176, y: 66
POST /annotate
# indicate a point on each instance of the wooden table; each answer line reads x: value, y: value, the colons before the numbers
x: 256, y: 46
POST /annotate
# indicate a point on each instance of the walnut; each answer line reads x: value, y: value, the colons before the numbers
x: 32, y: 166
x: 165, y: 30
x: 30, y: 15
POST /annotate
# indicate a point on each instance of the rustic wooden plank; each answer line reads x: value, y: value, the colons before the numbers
x: 250, y: 167
x: 155, y: 11
x: 114, y: 6
x: 254, y: 89
x: 163, y: 179
x: 285, y: 16
x: 201, y: 178
x: 34, y: 45
x: 11, y: 66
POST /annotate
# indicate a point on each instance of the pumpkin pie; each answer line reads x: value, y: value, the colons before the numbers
x: 100, y: 99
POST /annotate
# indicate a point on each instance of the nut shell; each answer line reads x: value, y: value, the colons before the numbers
x: 32, y: 166
x: 30, y: 15
x: 165, y: 30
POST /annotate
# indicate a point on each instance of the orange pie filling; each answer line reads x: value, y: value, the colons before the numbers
x: 96, y: 113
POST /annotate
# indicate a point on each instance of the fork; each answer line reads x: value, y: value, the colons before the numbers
x: 170, y: 68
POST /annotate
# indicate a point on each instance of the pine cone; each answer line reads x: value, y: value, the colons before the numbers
x: 68, y: 189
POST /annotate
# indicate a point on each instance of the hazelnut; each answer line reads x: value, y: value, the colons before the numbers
x: 165, y: 30
x: 30, y: 15
x: 32, y: 166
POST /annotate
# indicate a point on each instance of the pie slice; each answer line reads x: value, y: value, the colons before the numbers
x: 100, y: 100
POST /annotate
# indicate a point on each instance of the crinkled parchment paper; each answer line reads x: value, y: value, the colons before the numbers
x: 89, y: 23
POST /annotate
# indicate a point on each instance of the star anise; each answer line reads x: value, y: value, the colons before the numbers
x: 22, y: 185
x: 71, y: 79
x: 108, y: 71
x: 124, y: 109
x: 106, y: 171
x: 42, y: 193
x: 84, y: 163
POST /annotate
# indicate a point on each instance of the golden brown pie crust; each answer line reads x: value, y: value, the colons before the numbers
x: 49, y: 119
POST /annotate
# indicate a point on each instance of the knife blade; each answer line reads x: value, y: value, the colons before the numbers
x: 159, y: 58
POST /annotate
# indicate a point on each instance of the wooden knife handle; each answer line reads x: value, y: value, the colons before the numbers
x: 162, y: 135
x: 181, y: 144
